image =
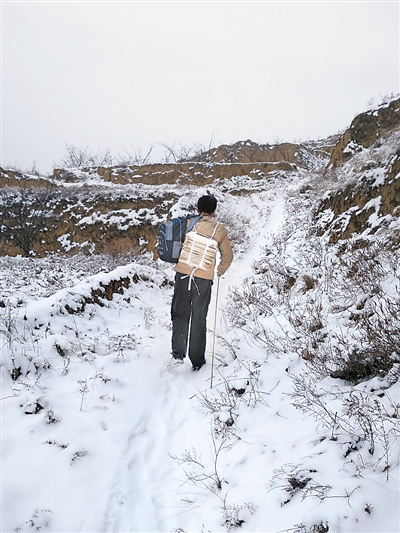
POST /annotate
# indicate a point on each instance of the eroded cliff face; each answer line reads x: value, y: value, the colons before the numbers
x: 13, y: 178
x: 197, y: 174
x: 118, y: 209
x: 370, y: 198
x: 38, y: 221
x: 246, y: 152
x: 367, y: 160
x: 366, y: 129
x: 244, y: 158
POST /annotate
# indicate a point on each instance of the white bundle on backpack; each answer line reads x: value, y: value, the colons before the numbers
x: 199, y: 251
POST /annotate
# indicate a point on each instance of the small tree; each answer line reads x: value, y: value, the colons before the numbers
x: 23, y: 215
x: 134, y: 157
x: 81, y: 157
x: 176, y: 153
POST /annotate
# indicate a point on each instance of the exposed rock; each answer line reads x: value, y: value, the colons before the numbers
x: 244, y: 158
x: 13, y: 178
x: 251, y: 152
x: 101, y: 293
x: 361, y: 204
x: 112, y: 222
x: 198, y: 174
x: 365, y: 130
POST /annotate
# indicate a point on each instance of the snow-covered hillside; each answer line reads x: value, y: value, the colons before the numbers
x: 99, y: 434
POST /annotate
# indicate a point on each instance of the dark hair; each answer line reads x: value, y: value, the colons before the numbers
x: 207, y: 204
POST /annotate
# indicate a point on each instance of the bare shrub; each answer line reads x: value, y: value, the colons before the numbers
x: 196, y: 472
x: 236, y: 225
x: 134, y: 156
x: 78, y: 157
x: 322, y: 527
x: 38, y: 521
x: 119, y: 251
x: 364, y: 417
x: 300, y: 481
x: 24, y: 215
x: 234, y: 514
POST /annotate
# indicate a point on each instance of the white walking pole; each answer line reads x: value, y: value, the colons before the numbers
x: 213, y: 344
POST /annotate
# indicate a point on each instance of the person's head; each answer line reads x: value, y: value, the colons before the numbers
x: 207, y: 204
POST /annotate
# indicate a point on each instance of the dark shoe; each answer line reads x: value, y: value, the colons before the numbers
x: 178, y: 356
x: 197, y: 367
x: 176, y: 359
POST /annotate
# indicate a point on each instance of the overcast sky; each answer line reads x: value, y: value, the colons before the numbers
x: 122, y: 75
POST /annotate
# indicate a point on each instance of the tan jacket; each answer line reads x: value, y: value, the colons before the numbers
x: 205, y: 226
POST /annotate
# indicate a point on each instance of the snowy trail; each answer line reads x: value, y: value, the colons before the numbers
x: 141, y: 499
x: 138, y: 497
x: 143, y: 495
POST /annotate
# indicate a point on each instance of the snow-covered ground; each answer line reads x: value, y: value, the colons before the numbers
x: 99, y: 434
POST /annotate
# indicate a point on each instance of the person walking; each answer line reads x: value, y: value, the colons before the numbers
x: 193, y: 283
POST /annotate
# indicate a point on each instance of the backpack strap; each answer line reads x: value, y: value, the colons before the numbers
x: 193, y: 222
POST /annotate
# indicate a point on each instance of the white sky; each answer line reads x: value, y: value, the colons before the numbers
x: 122, y: 75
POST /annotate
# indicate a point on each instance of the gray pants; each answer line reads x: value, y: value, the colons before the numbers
x: 189, y: 317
